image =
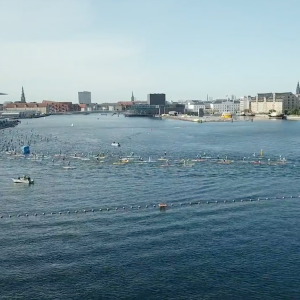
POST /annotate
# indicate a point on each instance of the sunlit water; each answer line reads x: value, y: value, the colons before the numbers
x: 123, y: 246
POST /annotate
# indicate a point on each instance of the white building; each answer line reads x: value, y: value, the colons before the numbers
x: 194, y: 105
x: 245, y: 103
x: 279, y: 102
x: 223, y: 105
x: 84, y: 97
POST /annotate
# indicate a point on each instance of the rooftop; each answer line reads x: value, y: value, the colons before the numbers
x: 24, y: 105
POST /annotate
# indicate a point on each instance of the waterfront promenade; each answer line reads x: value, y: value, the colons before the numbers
x: 204, y: 119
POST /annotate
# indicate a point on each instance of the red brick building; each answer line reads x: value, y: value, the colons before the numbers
x: 61, y: 107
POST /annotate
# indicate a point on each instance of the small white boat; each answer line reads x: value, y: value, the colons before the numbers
x: 68, y: 167
x: 24, y: 179
x: 115, y: 144
x: 275, y: 115
x: 72, y: 125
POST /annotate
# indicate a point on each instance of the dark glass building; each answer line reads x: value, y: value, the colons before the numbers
x: 156, y: 99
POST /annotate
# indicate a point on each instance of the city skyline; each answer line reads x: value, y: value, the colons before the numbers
x: 112, y: 48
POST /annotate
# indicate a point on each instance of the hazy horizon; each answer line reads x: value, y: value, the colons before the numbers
x: 183, y: 48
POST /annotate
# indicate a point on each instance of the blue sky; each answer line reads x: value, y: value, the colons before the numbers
x: 184, y: 48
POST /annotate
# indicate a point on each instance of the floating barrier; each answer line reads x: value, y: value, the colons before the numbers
x: 160, y: 207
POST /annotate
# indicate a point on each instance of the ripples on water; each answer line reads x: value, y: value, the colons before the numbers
x: 233, y: 250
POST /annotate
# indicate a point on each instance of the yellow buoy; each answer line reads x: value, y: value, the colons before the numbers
x: 261, y: 152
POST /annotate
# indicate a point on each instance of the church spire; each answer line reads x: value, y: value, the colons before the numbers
x: 132, y: 97
x: 298, y: 89
x: 23, y: 99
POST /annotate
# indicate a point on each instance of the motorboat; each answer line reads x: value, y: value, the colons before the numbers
x: 227, y: 115
x: 276, y: 115
x: 115, y: 144
x: 24, y: 179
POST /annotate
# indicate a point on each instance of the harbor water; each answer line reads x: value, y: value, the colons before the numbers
x: 94, y: 231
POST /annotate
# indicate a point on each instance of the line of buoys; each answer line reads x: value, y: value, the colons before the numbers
x: 139, y: 207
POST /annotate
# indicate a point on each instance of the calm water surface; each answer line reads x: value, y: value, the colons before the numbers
x: 214, y: 250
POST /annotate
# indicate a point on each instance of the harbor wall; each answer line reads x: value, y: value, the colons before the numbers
x: 198, y: 119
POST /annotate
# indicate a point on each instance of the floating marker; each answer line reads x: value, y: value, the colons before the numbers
x: 139, y: 207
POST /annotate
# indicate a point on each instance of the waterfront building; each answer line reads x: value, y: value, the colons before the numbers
x: 278, y: 102
x: 245, y: 103
x: 147, y: 109
x: 108, y: 106
x: 84, y: 97
x: 224, y: 105
x: 90, y: 107
x: 156, y: 99
x: 20, y: 114
x: 195, y: 106
x: 125, y: 105
x: 61, y: 107
x: 41, y: 108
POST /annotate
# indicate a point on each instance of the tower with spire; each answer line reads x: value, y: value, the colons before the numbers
x: 23, y: 99
x: 132, y: 97
x: 298, y: 89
